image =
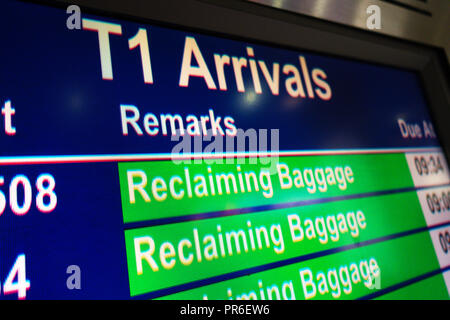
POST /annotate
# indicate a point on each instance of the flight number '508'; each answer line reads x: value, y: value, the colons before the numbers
x: 46, y: 198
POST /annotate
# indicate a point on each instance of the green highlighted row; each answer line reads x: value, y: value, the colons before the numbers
x: 161, y: 189
x: 433, y: 288
x: 164, y: 256
x: 349, y: 274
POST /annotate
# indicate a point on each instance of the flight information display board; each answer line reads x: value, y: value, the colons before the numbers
x: 147, y: 162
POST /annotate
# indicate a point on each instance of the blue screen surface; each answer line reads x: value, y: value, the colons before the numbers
x: 76, y: 102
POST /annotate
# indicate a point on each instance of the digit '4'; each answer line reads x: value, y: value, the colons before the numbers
x: 21, y: 285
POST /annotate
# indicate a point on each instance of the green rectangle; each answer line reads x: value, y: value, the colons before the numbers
x: 383, y: 215
x: 397, y: 260
x: 164, y: 189
x: 432, y: 288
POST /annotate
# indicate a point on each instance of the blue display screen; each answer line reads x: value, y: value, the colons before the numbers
x: 80, y: 97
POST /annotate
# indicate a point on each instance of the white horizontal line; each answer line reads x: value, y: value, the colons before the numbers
x: 187, y: 156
